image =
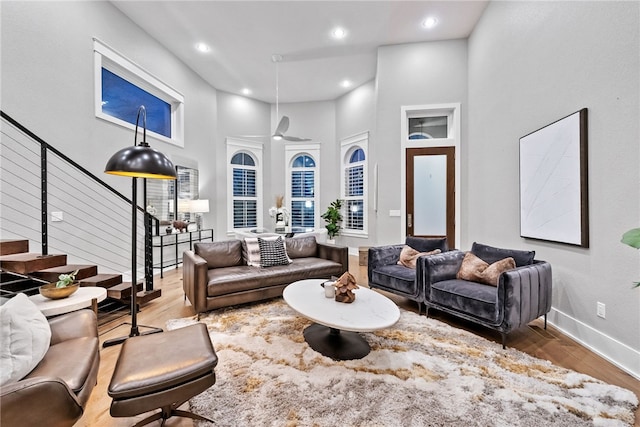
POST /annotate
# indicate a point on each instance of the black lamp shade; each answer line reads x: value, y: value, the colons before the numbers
x: 141, y: 161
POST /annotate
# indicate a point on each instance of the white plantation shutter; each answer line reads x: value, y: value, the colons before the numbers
x: 354, y: 185
x: 245, y: 207
x: 303, y: 175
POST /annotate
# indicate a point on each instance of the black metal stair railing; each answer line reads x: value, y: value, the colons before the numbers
x: 37, y: 180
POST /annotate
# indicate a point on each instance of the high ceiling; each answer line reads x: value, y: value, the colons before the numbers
x: 244, y: 35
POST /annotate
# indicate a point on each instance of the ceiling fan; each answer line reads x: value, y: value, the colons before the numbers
x: 283, y: 125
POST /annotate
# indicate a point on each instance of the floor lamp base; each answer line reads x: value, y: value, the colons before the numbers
x: 134, y: 333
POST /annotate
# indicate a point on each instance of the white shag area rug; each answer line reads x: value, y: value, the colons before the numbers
x: 421, y: 372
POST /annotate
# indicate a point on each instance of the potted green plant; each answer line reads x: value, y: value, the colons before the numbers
x: 333, y: 217
x: 632, y: 238
x: 64, y: 287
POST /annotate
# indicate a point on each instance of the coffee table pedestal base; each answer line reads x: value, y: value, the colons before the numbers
x: 336, y: 344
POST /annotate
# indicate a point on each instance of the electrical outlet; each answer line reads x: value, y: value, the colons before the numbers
x: 601, y: 309
x: 57, y: 216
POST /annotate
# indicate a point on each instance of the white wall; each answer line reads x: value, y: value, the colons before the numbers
x: 531, y: 63
x: 356, y: 113
x: 315, y: 120
x: 411, y: 74
x: 237, y: 116
x: 47, y: 85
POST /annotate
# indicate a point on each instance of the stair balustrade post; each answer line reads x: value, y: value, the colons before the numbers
x: 148, y: 243
x: 43, y: 200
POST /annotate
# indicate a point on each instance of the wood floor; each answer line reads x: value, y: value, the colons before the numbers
x: 547, y: 344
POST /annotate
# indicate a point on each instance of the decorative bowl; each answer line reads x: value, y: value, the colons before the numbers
x: 50, y: 291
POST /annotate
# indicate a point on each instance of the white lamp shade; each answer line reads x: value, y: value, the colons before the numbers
x: 199, y: 206
x: 184, y: 205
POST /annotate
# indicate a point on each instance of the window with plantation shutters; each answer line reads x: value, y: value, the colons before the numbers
x: 303, y: 180
x: 244, y: 174
x: 244, y: 191
x: 354, y: 188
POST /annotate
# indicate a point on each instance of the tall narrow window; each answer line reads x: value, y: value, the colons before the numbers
x: 354, y: 179
x: 303, y: 170
x: 354, y: 191
x: 245, y: 206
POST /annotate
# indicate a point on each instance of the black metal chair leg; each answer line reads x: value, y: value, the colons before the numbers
x: 504, y: 340
x: 545, y: 321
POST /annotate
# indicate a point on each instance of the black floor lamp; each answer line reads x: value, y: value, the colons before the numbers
x: 139, y: 161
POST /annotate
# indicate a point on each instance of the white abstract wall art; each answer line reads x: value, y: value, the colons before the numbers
x: 553, y: 182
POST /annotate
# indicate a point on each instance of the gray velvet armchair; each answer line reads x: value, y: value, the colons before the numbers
x: 385, y: 273
x: 521, y: 295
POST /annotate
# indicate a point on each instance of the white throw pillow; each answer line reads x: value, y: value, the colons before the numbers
x: 26, y: 337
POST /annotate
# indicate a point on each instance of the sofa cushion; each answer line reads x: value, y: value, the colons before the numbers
x: 26, y: 337
x: 301, y: 247
x: 220, y: 254
x: 272, y: 252
x: 476, y: 270
x: 474, y: 299
x: 244, y: 278
x: 396, y: 277
x: 490, y: 254
x: 426, y: 244
x: 75, y: 370
x: 409, y: 256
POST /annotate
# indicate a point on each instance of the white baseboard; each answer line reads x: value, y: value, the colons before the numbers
x: 620, y: 354
x: 354, y: 251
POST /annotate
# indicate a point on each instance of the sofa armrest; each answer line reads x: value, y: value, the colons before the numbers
x: 77, y: 324
x: 436, y: 268
x: 195, y: 280
x: 524, y: 293
x: 38, y: 401
x: 334, y: 253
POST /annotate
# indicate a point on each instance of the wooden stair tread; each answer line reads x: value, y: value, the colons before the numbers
x: 13, y: 246
x: 146, y: 296
x: 28, y: 262
x: 123, y: 290
x: 102, y: 280
x: 51, y: 274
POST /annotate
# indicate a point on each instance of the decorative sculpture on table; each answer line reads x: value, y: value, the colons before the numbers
x: 344, y: 288
x: 280, y: 212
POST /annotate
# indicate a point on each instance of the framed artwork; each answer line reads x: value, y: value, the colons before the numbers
x: 553, y: 182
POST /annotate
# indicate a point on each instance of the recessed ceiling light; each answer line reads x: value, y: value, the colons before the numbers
x: 339, y: 33
x: 202, y: 47
x: 430, y: 22
x: 246, y: 91
x: 345, y: 83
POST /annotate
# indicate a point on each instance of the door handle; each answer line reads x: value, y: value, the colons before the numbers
x: 409, y: 220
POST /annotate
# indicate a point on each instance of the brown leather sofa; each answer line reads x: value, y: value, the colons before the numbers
x: 215, y: 274
x: 55, y: 393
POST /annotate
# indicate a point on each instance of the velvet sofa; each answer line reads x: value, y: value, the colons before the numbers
x: 385, y: 273
x: 522, y: 294
x: 216, y: 274
x: 55, y: 392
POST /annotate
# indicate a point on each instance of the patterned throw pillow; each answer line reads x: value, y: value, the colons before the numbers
x: 272, y: 252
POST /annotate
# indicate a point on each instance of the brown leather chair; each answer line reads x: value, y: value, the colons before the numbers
x: 55, y: 393
x: 162, y: 371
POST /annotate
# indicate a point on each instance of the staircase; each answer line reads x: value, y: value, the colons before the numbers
x: 24, y: 271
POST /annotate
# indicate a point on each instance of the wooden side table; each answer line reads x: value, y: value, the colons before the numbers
x: 83, y: 297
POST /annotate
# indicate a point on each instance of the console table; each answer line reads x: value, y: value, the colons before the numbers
x: 175, y: 240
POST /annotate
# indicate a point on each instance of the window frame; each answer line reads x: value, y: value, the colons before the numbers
x: 255, y: 150
x: 113, y: 61
x: 292, y: 151
x: 347, y: 147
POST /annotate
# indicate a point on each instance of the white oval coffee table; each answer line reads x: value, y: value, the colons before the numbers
x: 335, y: 331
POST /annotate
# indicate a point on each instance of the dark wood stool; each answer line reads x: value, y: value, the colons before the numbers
x: 162, y: 371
